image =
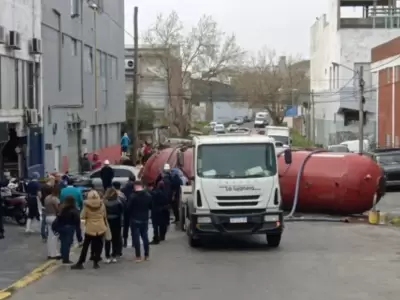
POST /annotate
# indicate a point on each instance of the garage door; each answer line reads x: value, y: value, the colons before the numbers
x: 73, y: 156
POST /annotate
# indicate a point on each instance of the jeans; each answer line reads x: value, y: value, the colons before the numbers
x: 115, y: 243
x: 139, y: 230
x: 66, y: 239
x: 43, y: 227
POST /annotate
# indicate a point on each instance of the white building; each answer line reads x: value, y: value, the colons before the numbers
x: 20, y: 59
x: 338, y: 48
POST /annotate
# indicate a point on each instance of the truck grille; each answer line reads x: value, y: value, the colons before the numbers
x: 231, y: 201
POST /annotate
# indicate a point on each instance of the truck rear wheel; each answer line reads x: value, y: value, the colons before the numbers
x: 274, y: 240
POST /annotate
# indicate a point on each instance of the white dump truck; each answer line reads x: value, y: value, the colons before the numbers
x: 280, y: 134
x: 235, y: 188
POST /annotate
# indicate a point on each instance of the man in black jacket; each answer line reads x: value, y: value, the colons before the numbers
x: 139, y: 205
x: 107, y: 175
x: 159, y: 213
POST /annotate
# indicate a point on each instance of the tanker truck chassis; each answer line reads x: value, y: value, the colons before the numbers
x: 231, y: 195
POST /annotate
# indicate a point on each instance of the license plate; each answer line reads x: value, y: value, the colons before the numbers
x: 238, y: 220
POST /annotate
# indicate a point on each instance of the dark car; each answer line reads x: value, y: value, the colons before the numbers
x: 389, y: 160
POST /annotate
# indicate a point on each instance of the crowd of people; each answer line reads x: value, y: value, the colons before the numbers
x: 102, y: 222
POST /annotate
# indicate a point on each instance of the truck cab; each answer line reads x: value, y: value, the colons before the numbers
x: 234, y: 190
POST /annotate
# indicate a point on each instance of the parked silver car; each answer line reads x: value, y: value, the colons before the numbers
x: 121, y: 174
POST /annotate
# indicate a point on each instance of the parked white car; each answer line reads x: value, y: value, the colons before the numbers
x: 233, y: 127
x: 219, y: 128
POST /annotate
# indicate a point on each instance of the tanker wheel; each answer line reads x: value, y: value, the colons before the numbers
x: 182, y: 219
x: 193, y: 241
x: 274, y: 240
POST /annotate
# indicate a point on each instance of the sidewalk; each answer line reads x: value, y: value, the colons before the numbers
x: 20, y: 254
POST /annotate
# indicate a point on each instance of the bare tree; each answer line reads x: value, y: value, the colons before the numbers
x: 204, y: 52
x: 271, y: 82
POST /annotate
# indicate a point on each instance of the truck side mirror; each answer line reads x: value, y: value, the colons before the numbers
x: 179, y: 159
x: 288, y: 156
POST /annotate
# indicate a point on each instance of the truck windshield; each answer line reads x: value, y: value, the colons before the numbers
x: 280, y: 138
x: 236, y: 160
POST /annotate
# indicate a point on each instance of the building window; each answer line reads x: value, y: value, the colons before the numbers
x: 49, y: 116
x: 88, y: 59
x: 397, y: 73
x: 114, y: 67
x: 388, y: 75
x: 1, y: 78
x: 16, y: 65
x: 31, y: 85
x: 37, y: 84
x: 330, y: 78
x: 74, y: 47
x: 94, y: 140
x: 103, y: 64
x: 101, y: 145
x: 59, y: 49
x: 75, y: 8
x: 99, y: 65
x: 105, y: 135
x: 23, y: 83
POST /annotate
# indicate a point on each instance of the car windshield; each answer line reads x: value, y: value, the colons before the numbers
x: 226, y: 161
x: 260, y: 119
x: 279, y: 138
x: 388, y: 159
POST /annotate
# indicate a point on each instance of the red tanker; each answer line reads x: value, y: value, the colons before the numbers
x: 332, y: 183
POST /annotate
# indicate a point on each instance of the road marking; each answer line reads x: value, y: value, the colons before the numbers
x: 44, y: 269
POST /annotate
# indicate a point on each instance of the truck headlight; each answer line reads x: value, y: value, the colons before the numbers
x: 204, y: 220
x: 271, y: 218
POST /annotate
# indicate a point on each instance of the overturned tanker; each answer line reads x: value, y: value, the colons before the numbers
x: 331, y: 183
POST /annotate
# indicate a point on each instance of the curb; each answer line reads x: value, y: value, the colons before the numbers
x: 42, y: 270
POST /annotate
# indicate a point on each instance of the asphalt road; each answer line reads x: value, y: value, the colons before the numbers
x: 315, y: 261
x: 20, y: 254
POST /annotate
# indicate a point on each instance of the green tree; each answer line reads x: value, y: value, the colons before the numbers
x: 145, y: 113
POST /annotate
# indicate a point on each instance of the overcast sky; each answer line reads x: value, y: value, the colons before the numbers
x: 280, y: 24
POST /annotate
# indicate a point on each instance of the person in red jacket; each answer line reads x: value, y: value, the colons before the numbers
x: 96, y: 163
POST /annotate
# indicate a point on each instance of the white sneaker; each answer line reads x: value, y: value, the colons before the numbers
x: 114, y: 260
x: 107, y: 261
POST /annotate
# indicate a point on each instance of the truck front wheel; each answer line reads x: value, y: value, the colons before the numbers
x: 274, y: 240
x: 193, y: 241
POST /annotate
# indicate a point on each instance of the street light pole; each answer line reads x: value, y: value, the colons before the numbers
x: 96, y: 79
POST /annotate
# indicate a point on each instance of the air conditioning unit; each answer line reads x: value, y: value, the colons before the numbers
x: 3, y: 39
x: 129, y: 64
x: 36, y: 46
x: 14, y: 40
x: 32, y: 116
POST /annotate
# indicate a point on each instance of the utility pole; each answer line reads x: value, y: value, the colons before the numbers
x: 361, y: 109
x: 313, y: 116
x: 96, y: 67
x: 135, y: 123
